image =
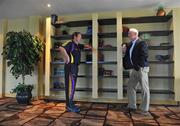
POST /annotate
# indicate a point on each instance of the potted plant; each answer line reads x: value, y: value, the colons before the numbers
x: 161, y: 11
x: 22, y: 51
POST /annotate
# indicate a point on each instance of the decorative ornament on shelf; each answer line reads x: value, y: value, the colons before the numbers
x: 54, y: 18
x: 161, y: 11
x: 64, y: 29
x: 146, y: 37
x: 125, y: 29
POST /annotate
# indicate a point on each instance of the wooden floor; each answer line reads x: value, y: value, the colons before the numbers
x: 41, y: 113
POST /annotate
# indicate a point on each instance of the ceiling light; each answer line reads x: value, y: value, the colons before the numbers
x: 49, y: 5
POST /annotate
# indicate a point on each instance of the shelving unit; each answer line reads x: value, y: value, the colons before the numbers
x: 111, y: 82
x: 54, y: 37
x: 108, y: 27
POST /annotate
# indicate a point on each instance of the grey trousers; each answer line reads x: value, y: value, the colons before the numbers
x: 136, y: 78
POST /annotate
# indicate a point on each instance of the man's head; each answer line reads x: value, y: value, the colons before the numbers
x: 76, y: 36
x: 133, y: 34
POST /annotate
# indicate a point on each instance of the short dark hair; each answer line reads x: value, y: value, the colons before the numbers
x: 75, y: 34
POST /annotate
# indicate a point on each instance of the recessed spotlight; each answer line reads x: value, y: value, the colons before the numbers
x: 48, y: 5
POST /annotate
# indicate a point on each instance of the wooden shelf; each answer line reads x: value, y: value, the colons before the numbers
x: 107, y: 35
x: 86, y: 50
x: 112, y: 21
x: 150, y: 48
x: 153, y: 33
x: 99, y: 62
x: 107, y: 62
x: 107, y: 21
x: 152, y: 91
x: 62, y: 63
x: 147, y: 19
x: 68, y: 37
x: 114, y: 76
x: 125, y: 34
x: 108, y: 49
x: 85, y: 76
x: 159, y: 62
x: 74, y: 24
x: 57, y: 63
x: 79, y: 76
x: 161, y: 47
x: 115, y: 90
x: 111, y: 62
x: 154, y: 77
x: 115, y: 48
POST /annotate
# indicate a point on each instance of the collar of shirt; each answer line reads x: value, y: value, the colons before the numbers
x: 133, y: 42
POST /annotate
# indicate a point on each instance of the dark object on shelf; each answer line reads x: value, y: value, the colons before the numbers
x: 125, y: 73
x: 89, y: 57
x: 90, y: 41
x: 100, y: 71
x: 161, y: 11
x: 64, y: 29
x: 125, y: 29
x: 54, y: 18
x: 107, y: 46
x: 58, y: 85
x: 108, y: 72
x: 89, y: 30
x: 57, y: 44
x: 100, y: 29
x: 101, y: 43
x: 100, y: 57
x: 58, y: 71
x: 64, y: 32
x: 58, y: 59
x: 162, y: 58
x: 165, y: 44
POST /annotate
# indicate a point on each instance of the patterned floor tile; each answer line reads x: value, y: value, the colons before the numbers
x: 18, y: 119
x: 39, y: 121
x: 117, y: 123
x: 63, y: 121
x: 72, y: 115
x: 40, y: 113
x: 118, y: 116
x: 91, y: 122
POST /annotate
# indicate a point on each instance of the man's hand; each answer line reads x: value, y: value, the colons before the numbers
x: 124, y: 48
x: 65, y: 55
x: 88, y: 46
x: 66, y: 59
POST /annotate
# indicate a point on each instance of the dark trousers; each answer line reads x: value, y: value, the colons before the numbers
x: 71, y: 73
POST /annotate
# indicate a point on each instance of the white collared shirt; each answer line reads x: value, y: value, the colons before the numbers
x: 131, y: 49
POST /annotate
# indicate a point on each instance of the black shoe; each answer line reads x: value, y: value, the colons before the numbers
x: 72, y: 109
x: 72, y: 105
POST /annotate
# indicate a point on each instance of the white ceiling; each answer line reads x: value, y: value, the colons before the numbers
x: 22, y: 8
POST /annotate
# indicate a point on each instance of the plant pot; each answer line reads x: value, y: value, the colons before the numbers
x: 24, y: 97
x: 161, y: 13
